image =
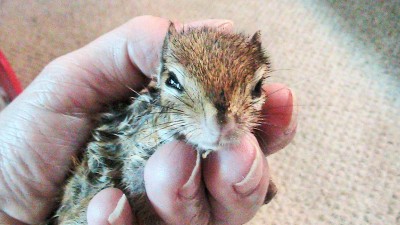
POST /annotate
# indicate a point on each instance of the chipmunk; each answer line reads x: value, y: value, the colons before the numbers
x: 208, y: 93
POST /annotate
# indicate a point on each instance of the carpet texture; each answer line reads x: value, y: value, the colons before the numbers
x: 340, y: 57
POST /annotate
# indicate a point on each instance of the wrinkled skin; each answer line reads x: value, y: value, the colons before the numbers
x: 51, y: 121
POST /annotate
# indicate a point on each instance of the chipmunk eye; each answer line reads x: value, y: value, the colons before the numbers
x: 257, y: 89
x: 173, y: 82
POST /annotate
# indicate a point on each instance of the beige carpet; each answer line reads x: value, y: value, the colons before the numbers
x: 341, y: 57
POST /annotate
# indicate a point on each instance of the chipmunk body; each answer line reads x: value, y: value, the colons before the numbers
x: 208, y: 93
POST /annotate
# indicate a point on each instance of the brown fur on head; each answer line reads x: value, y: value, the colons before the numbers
x: 215, y: 79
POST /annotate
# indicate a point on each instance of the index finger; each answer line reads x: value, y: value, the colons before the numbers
x: 279, y: 118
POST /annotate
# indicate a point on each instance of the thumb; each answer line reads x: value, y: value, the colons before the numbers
x: 8, y: 220
x: 110, y: 207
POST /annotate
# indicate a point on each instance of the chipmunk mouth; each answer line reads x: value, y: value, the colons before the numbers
x: 220, y: 143
x: 215, y: 142
x: 200, y: 145
x: 204, y: 145
x: 211, y: 147
x: 212, y: 136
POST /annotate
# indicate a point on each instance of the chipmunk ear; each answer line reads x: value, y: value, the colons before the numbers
x: 171, y: 32
x: 172, y: 29
x: 166, y: 47
x: 255, y: 42
x: 256, y: 39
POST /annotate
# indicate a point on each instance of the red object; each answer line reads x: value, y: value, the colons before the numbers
x: 8, y: 80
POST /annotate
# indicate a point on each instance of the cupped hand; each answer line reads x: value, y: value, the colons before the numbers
x: 50, y: 122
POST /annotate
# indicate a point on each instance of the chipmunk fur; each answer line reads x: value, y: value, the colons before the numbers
x: 208, y: 93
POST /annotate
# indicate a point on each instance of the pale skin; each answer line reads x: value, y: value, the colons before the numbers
x: 50, y: 122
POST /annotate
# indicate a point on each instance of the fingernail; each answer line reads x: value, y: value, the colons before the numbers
x: 191, y: 187
x: 272, y: 190
x: 225, y: 25
x: 116, y: 217
x: 251, y: 181
x: 293, y: 120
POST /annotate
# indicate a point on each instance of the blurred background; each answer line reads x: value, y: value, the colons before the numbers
x: 342, y: 58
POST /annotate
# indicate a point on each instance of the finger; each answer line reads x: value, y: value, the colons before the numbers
x: 272, y: 191
x: 106, y: 69
x: 173, y: 185
x: 7, y: 220
x: 279, y: 118
x: 109, y: 207
x: 237, y: 180
x: 221, y: 25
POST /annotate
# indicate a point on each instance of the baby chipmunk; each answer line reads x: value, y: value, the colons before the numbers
x: 208, y: 93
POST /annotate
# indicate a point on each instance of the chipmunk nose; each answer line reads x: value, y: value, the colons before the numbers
x: 222, y: 108
x: 219, y: 133
x: 228, y: 128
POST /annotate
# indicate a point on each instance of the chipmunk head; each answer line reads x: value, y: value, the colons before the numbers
x: 211, y: 83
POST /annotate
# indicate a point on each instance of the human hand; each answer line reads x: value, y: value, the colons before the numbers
x: 50, y: 121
